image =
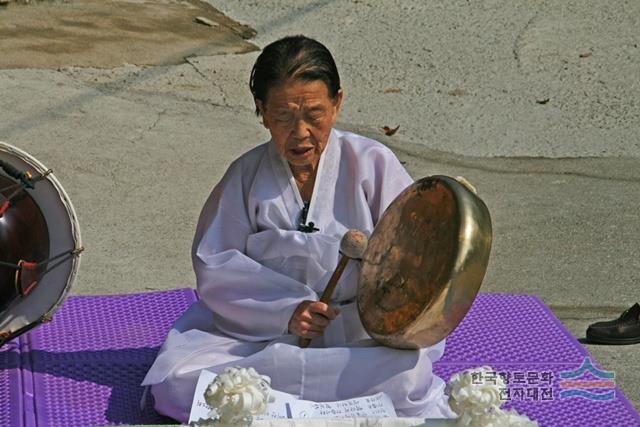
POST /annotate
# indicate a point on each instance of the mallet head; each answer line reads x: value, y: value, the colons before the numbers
x: 353, y: 244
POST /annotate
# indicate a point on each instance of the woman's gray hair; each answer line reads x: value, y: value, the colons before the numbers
x: 293, y: 58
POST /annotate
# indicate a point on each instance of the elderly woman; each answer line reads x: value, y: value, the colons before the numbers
x: 267, y: 242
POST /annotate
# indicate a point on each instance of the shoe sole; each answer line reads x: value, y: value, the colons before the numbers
x: 612, y: 341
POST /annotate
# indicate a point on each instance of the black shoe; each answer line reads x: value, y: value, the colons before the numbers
x: 623, y: 330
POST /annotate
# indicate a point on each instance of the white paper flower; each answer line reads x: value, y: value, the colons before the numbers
x: 476, y: 400
x: 237, y: 395
x: 471, y: 392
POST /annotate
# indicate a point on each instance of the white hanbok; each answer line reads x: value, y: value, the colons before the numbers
x: 253, y: 268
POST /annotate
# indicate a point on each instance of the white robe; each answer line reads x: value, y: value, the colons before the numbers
x: 253, y: 268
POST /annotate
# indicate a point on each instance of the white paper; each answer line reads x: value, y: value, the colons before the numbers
x: 278, y: 409
x: 378, y: 405
x: 200, y: 408
x: 289, y: 406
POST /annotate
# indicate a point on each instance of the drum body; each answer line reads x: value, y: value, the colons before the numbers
x: 39, y: 224
x: 23, y: 236
x: 424, y: 264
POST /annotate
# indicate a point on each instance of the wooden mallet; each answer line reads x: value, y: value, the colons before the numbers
x: 352, y: 246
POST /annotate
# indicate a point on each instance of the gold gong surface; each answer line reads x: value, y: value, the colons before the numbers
x: 424, y: 264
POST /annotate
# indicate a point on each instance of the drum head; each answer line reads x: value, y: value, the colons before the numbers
x: 424, y: 263
x: 40, y: 223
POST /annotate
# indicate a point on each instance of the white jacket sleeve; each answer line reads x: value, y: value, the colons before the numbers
x: 249, y: 301
x: 388, y: 180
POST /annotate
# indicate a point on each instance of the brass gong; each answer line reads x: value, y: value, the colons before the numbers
x: 424, y: 264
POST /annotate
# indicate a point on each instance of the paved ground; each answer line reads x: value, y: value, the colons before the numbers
x: 103, y: 34
x: 536, y: 103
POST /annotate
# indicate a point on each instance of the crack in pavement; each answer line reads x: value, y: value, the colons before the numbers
x: 141, y: 96
x: 174, y: 97
x: 101, y: 89
x: 150, y: 128
x: 160, y: 114
x: 516, y: 43
x: 224, y: 95
x: 188, y: 61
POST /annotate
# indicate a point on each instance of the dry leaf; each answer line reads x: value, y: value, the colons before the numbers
x: 390, y: 131
x: 457, y: 92
x: 585, y: 55
x: 542, y: 101
x: 393, y: 90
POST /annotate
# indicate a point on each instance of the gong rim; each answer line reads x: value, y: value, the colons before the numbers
x: 432, y: 309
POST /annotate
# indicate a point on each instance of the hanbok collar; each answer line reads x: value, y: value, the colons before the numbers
x: 323, y: 187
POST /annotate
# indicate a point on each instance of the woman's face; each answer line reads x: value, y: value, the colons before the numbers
x: 299, y: 116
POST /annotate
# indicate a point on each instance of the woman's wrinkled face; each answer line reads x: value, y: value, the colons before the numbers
x: 299, y: 116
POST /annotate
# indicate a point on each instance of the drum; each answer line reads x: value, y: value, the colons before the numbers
x: 424, y: 263
x: 39, y: 243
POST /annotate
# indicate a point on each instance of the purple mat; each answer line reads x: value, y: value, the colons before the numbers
x: 514, y: 329
x: 85, y: 367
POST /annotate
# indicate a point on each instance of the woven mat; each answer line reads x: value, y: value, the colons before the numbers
x: 84, y: 368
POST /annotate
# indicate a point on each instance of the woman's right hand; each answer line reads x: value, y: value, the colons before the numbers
x: 311, y: 318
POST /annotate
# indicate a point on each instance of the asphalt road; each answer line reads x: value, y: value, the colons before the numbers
x: 536, y: 103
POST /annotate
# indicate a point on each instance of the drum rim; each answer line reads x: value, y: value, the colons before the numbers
x: 73, y: 221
